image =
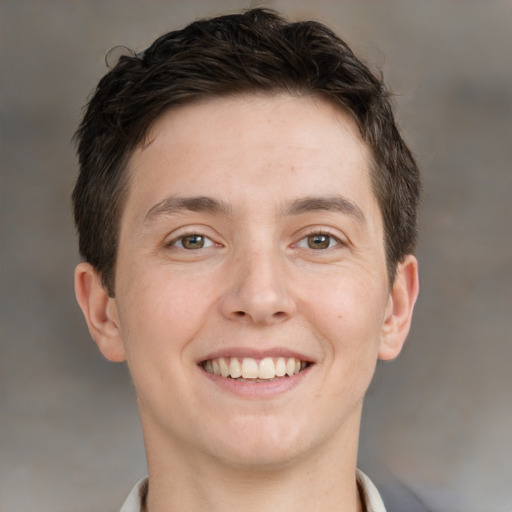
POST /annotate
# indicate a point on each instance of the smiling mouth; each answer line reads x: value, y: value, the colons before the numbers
x: 254, y: 370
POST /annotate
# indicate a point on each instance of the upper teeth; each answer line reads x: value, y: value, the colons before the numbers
x: 249, y: 368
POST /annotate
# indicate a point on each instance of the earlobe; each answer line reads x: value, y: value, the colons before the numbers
x: 100, y: 312
x: 400, y: 308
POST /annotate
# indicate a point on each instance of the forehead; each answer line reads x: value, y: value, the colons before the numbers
x: 241, y: 143
x: 255, y: 111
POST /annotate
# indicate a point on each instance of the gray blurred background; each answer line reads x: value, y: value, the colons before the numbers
x: 437, y: 428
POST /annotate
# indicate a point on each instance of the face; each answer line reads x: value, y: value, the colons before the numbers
x: 252, y: 298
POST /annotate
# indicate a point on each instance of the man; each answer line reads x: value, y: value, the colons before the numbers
x: 246, y: 211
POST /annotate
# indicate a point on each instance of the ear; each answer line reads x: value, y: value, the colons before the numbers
x: 100, y: 312
x: 400, y: 307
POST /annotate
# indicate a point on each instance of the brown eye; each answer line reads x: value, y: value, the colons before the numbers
x: 193, y: 241
x: 319, y: 241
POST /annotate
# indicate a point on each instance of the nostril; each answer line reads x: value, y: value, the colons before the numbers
x: 240, y: 313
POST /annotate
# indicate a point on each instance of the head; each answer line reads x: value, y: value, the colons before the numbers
x: 245, y: 200
x: 251, y: 53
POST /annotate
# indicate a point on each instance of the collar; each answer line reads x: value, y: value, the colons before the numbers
x: 372, y: 502
x: 369, y: 494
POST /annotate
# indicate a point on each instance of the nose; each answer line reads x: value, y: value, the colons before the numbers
x: 259, y: 291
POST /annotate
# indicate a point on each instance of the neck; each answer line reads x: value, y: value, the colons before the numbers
x: 319, y: 481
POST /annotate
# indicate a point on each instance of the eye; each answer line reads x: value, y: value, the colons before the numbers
x: 318, y: 241
x: 192, y: 242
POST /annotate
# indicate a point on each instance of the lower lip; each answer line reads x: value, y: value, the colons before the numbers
x: 257, y: 390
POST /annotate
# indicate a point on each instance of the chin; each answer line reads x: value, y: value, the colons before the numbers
x: 263, y: 443
x: 262, y: 459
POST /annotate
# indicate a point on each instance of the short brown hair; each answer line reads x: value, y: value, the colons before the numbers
x: 256, y: 51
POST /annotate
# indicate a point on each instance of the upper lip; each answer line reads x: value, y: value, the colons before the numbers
x: 242, y: 352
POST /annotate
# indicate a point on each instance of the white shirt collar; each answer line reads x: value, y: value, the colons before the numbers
x: 369, y: 494
x: 135, y: 499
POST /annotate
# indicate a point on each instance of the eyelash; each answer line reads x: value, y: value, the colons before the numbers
x: 320, y: 233
x: 174, y: 242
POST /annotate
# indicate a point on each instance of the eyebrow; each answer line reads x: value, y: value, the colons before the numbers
x: 176, y: 204
x: 327, y: 204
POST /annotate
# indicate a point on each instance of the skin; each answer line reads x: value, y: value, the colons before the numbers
x: 277, y: 171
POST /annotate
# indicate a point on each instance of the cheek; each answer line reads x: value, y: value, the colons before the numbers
x: 349, y: 317
x: 349, y: 304
x: 160, y: 315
